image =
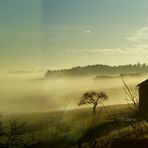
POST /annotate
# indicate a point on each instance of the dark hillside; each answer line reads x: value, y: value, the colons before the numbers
x: 99, y: 69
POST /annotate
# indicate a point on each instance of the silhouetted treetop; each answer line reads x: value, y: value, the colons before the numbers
x: 93, y: 97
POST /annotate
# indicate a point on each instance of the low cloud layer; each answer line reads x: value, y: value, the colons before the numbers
x: 139, y: 40
x: 111, y: 51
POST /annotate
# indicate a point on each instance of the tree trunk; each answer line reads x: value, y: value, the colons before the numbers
x: 94, y: 110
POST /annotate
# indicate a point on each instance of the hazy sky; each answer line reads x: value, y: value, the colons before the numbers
x: 65, y: 33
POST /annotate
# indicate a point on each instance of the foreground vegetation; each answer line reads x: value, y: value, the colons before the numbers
x: 73, y: 128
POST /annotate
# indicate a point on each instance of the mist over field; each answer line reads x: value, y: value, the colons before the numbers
x: 30, y: 92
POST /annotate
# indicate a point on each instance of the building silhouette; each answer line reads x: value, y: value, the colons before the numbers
x: 143, y: 98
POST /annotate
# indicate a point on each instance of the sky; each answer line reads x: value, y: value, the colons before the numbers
x: 58, y: 34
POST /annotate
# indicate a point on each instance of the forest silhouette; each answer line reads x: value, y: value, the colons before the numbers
x: 99, y: 69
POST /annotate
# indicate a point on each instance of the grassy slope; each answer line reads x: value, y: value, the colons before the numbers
x: 64, y: 130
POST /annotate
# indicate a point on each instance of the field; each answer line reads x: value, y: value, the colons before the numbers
x: 66, y: 128
x: 45, y: 113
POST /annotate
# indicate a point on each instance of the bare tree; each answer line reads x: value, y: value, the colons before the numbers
x: 132, y: 96
x: 93, y: 97
x: 12, y: 135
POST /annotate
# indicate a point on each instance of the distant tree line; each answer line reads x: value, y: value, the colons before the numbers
x: 100, y: 69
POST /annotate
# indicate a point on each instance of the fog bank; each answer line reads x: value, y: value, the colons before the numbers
x: 29, y: 92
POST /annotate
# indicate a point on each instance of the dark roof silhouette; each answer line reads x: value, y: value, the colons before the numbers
x: 143, y: 83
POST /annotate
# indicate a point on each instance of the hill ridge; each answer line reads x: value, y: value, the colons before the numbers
x: 99, y: 69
